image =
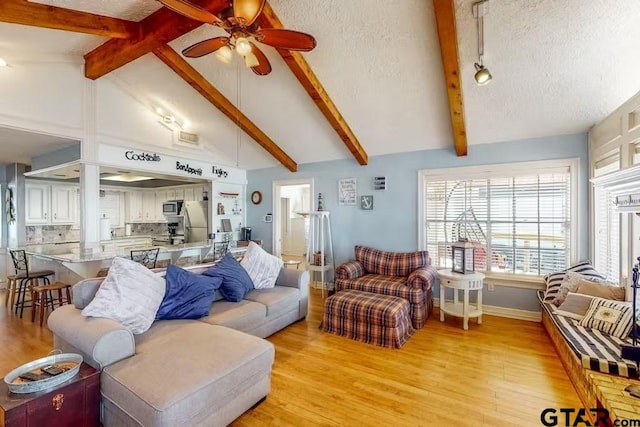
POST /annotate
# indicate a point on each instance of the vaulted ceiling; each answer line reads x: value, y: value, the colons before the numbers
x: 558, y: 68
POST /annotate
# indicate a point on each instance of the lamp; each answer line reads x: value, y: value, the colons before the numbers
x: 168, y: 119
x: 482, y: 76
x: 462, y: 257
x: 224, y: 54
x: 242, y: 46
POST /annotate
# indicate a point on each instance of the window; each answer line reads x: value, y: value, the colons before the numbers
x: 520, y: 214
x: 606, y: 222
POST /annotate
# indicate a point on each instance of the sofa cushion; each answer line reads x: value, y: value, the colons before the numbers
x: 278, y: 300
x: 243, y: 316
x: 575, y: 306
x: 188, y: 295
x: 553, y: 281
x: 602, y: 290
x: 611, y: 317
x: 130, y: 295
x: 390, y: 263
x: 385, y: 285
x: 166, y: 384
x: 262, y: 267
x: 235, y: 280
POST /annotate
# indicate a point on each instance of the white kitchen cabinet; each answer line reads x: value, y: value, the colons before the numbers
x: 110, y: 208
x: 51, y: 204
x: 37, y: 204
x: 161, y: 197
x: 134, y: 206
x: 63, y: 206
x: 149, y: 206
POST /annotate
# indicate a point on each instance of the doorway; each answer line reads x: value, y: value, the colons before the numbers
x: 293, y: 202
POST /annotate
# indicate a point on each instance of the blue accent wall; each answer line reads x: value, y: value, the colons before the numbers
x: 393, y: 223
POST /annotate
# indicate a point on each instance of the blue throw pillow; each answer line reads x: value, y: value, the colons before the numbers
x: 235, y: 279
x: 188, y: 295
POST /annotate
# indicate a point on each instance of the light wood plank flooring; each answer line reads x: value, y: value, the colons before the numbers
x: 502, y: 373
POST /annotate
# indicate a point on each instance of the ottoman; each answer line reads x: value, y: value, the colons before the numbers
x: 372, y: 318
x: 187, y: 373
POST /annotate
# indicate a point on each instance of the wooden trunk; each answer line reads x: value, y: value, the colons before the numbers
x: 73, y: 403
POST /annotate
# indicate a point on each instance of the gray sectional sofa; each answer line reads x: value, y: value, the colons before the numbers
x: 183, y: 372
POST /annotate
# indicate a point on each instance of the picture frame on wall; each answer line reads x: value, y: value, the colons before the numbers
x: 366, y: 203
x: 347, y: 192
x: 226, y: 225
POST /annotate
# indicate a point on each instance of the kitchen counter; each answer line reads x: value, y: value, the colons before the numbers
x: 88, y: 265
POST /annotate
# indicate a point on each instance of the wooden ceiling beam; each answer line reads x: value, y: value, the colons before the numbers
x: 305, y: 75
x: 158, y: 29
x: 58, y: 18
x: 446, y: 23
x: 178, y: 64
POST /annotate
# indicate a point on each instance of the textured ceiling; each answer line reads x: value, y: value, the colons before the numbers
x: 558, y: 67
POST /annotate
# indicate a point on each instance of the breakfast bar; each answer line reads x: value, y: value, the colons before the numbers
x: 73, y: 263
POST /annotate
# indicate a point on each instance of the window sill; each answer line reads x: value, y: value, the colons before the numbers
x: 515, y: 281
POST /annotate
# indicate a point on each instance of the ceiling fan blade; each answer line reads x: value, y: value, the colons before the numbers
x: 248, y: 10
x: 205, y: 47
x: 190, y: 10
x: 264, y: 67
x: 286, y: 39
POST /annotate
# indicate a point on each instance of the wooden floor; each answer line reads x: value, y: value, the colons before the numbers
x: 501, y: 373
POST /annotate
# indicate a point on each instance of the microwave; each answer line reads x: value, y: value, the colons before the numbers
x: 172, y: 207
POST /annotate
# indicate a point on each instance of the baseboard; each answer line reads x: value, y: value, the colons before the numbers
x: 512, y: 313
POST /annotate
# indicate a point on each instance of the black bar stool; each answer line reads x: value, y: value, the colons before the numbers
x: 26, y: 277
x: 147, y: 257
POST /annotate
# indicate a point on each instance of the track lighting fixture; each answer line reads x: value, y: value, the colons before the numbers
x: 482, y: 76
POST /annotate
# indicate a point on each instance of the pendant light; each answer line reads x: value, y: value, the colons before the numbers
x: 482, y: 76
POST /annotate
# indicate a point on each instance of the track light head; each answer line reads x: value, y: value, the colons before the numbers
x: 482, y: 76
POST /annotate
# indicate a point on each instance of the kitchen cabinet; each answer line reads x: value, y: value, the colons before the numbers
x: 161, y: 197
x: 37, y: 204
x: 110, y: 208
x: 51, y: 204
x: 134, y: 206
x: 63, y: 205
x: 149, y: 206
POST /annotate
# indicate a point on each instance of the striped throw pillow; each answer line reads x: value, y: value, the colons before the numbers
x: 554, y: 280
x: 611, y: 317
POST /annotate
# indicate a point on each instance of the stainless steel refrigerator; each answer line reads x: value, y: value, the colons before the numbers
x: 196, y: 224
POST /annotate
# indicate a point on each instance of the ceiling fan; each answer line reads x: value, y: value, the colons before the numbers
x: 239, y: 20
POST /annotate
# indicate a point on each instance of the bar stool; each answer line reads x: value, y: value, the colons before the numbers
x: 41, y: 301
x: 11, y: 290
x: 146, y: 257
x: 26, y: 277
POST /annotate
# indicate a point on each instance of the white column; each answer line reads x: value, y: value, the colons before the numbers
x: 89, y: 207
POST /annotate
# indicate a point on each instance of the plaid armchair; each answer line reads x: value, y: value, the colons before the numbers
x: 407, y: 275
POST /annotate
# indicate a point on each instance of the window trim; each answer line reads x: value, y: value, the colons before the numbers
x: 502, y: 170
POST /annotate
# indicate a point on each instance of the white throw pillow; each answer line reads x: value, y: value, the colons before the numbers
x: 130, y: 295
x: 262, y: 267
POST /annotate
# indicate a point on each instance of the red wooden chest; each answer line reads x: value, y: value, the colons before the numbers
x: 74, y: 403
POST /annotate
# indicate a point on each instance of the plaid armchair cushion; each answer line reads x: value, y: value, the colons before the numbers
x: 423, y: 278
x: 349, y: 270
x: 398, y: 264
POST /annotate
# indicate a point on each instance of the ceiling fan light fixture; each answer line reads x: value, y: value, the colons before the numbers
x: 482, y: 76
x: 251, y: 60
x: 224, y: 54
x: 242, y: 46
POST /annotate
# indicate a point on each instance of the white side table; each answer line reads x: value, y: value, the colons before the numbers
x: 461, y: 282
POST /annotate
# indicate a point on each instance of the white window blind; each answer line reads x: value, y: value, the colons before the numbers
x: 607, y: 224
x: 521, y: 220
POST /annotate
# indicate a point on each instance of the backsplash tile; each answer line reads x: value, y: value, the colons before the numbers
x: 52, y: 233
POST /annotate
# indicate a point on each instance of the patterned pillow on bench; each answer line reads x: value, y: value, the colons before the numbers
x: 554, y: 280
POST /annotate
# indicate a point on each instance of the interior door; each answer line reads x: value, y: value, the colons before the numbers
x: 285, y: 225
